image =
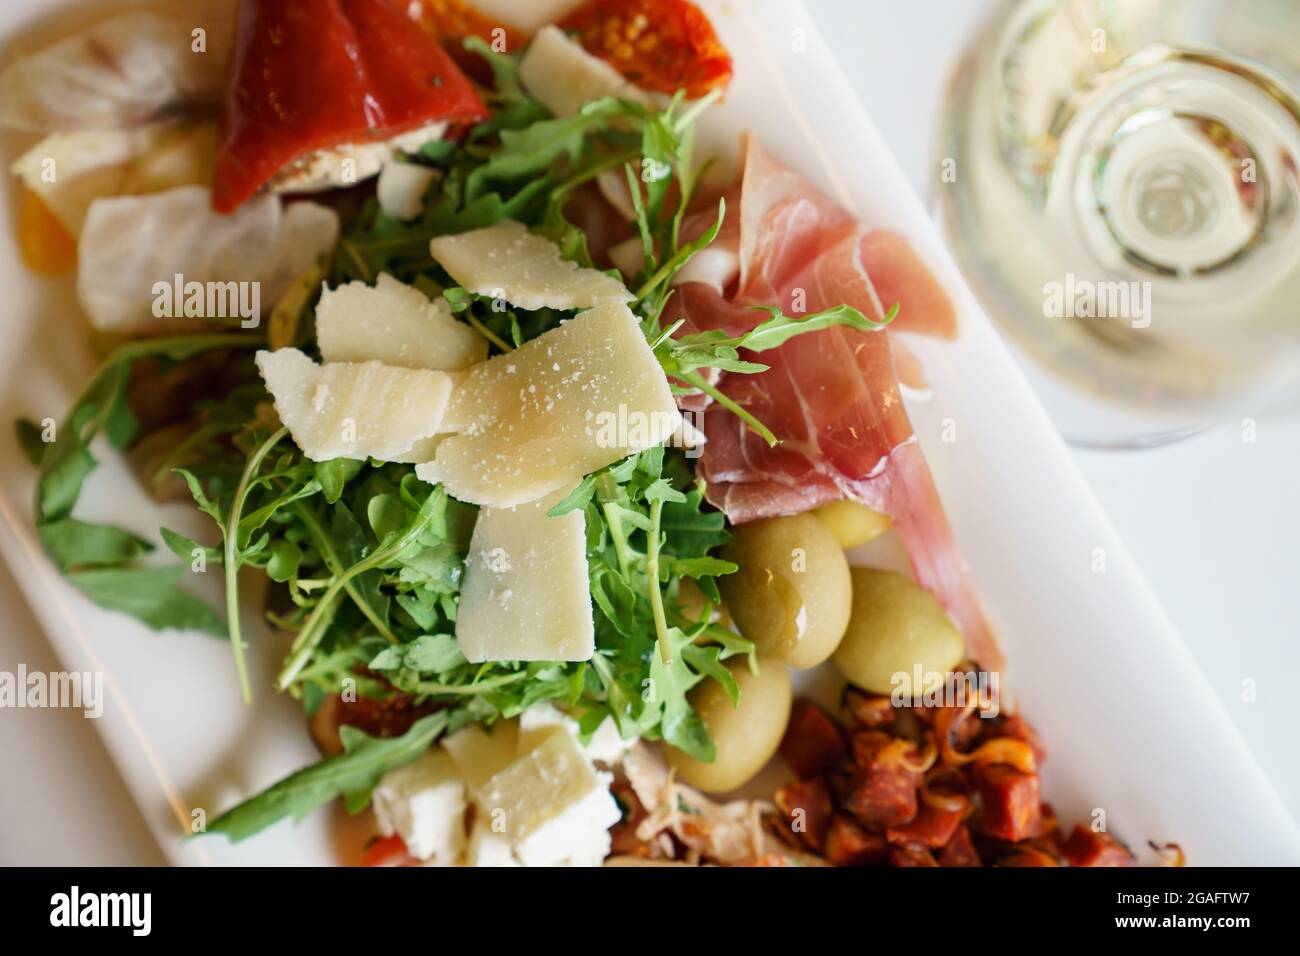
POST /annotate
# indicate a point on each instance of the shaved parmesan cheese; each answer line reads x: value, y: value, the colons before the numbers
x: 565, y: 404
x: 480, y: 753
x: 554, y: 805
x: 562, y: 76
x: 525, y: 595
x: 396, y: 324
x: 506, y: 261
x: 401, y: 188
x: 347, y: 410
x: 424, y: 449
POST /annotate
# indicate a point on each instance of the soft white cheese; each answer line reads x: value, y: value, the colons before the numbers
x: 525, y: 595
x: 538, y: 721
x: 396, y: 324
x: 348, y: 410
x: 506, y: 261
x: 562, y: 405
x: 423, y: 802
x: 348, y: 163
x: 129, y: 244
x: 606, y: 745
x: 588, y: 848
x: 487, y: 848
x: 401, y: 187
x: 553, y: 805
x: 69, y: 171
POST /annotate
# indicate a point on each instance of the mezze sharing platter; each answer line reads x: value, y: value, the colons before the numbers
x: 550, y: 434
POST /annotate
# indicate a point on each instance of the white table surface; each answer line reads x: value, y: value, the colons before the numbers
x: 1213, y: 521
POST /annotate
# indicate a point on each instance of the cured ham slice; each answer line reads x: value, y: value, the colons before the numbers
x: 831, y: 397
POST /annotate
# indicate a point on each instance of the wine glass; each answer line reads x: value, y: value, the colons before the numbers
x: 1120, y: 182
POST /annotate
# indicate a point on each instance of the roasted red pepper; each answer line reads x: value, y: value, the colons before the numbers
x: 317, y: 74
x: 662, y: 45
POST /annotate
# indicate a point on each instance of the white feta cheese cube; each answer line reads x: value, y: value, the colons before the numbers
x: 552, y: 803
x: 424, y: 803
x: 486, y: 847
x: 606, y: 745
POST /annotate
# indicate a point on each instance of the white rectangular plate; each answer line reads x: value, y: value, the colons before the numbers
x: 1131, y: 724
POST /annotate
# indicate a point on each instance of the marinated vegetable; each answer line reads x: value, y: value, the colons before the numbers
x: 792, y: 594
x: 895, y: 628
x: 746, y: 735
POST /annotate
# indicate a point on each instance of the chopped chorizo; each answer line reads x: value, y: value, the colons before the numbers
x: 883, y: 791
x: 1086, y: 847
x: 848, y: 844
x: 1010, y: 802
x: 813, y: 742
x: 931, y: 827
x: 960, y: 850
x: 807, y: 808
x: 911, y: 856
x: 869, y: 711
x: 1018, y: 728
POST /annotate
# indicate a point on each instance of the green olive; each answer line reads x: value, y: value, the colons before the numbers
x: 792, y: 593
x: 851, y: 523
x: 895, y: 627
x: 745, y: 736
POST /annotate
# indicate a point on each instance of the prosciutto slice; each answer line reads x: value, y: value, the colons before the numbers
x: 831, y: 397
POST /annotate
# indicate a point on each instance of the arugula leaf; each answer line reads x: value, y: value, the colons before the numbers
x: 186, y: 548
x: 577, y: 498
x: 101, y: 406
x: 151, y: 595
x: 352, y: 774
x: 72, y: 543
x: 672, y: 678
x: 334, y: 474
x: 437, y: 653
x: 30, y: 441
x: 700, y: 567
x: 531, y: 150
x: 689, y: 530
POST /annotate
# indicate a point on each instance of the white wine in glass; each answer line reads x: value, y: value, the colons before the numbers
x: 1120, y: 182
